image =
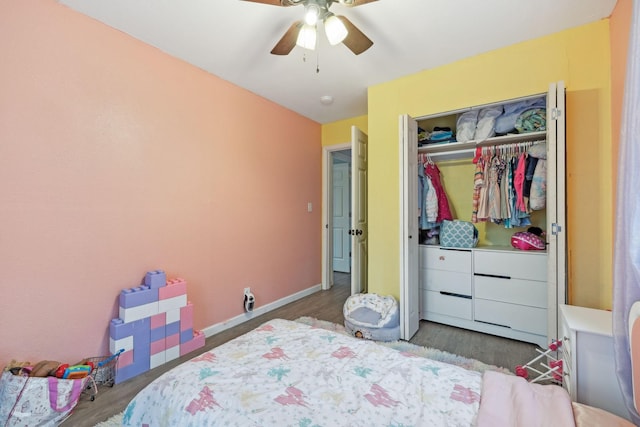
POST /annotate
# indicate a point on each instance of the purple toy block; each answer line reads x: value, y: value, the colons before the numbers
x: 186, y: 336
x: 118, y: 329
x: 134, y: 297
x: 158, y: 334
x: 141, y: 351
x: 173, y: 328
x: 155, y: 279
x: 133, y: 370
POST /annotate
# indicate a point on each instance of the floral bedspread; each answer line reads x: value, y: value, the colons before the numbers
x: 288, y: 374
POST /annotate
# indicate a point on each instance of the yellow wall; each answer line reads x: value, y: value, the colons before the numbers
x: 580, y: 57
x: 340, y: 132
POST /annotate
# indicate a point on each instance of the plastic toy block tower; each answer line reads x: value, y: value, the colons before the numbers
x: 154, y: 327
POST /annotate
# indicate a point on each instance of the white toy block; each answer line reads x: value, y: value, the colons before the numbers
x: 172, y: 353
x: 139, y: 312
x: 157, y: 359
x: 173, y: 316
x: 174, y: 303
x: 125, y: 343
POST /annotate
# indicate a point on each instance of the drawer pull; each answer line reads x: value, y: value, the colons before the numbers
x: 494, y: 324
x: 441, y: 258
x: 496, y: 276
x: 452, y: 294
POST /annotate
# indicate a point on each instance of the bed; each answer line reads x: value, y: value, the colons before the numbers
x: 287, y: 373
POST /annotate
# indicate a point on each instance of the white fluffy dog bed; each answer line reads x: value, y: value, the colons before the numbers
x: 372, y: 316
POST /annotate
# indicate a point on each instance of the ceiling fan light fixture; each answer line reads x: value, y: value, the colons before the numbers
x: 335, y: 30
x: 307, y: 37
x: 311, y: 14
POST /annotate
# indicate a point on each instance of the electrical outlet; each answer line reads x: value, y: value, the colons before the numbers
x: 247, y: 291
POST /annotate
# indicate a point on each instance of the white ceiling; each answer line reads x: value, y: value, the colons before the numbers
x: 232, y: 39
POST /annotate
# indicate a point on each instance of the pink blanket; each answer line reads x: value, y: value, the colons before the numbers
x: 512, y: 401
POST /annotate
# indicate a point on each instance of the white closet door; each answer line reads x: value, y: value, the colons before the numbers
x: 359, y: 218
x: 341, y: 218
x: 409, y: 269
x: 556, y: 229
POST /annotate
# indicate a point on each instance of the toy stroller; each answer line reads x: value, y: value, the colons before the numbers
x: 553, y: 369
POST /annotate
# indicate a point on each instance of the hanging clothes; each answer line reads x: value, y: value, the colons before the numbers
x: 478, y: 183
x: 444, y: 212
x: 483, y: 198
x: 538, y: 196
x: 518, y: 182
x: 499, y: 193
x: 494, y: 189
x: 427, y: 198
x: 431, y: 204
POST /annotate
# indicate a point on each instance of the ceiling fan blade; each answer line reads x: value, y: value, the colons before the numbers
x: 353, y: 3
x: 279, y: 2
x: 355, y: 40
x: 288, y: 41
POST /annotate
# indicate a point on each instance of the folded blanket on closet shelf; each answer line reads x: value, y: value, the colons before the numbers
x: 507, y: 121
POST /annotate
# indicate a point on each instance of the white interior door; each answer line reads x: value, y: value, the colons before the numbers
x: 341, y: 218
x: 409, y: 268
x: 556, y: 229
x: 359, y: 218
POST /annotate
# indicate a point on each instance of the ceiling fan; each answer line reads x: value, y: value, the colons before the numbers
x: 337, y: 28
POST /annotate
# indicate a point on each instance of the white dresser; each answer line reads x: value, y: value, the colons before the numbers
x: 588, y: 359
x: 496, y: 290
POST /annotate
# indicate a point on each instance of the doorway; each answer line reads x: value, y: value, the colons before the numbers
x: 337, y: 216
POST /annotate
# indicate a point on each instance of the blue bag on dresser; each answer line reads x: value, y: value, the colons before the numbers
x: 458, y: 234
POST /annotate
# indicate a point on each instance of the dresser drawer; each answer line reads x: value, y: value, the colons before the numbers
x: 516, y: 265
x: 447, y: 281
x: 436, y: 302
x: 518, y: 317
x: 445, y: 259
x: 517, y: 291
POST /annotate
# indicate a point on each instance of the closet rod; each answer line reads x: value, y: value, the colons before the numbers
x: 455, y: 154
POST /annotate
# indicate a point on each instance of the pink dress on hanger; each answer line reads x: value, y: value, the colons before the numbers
x: 432, y: 171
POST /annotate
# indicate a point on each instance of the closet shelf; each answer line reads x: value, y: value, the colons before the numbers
x: 452, y: 147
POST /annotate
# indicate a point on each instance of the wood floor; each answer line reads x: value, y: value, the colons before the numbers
x: 324, y: 305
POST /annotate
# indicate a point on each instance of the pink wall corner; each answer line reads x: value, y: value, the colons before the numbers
x: 116, y: 159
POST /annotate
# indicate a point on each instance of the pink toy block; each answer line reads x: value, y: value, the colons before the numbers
x: 174, y: 288
x: 197, y: 342
x: 125, y: 359
x: 158, y: 320
x: 158, y: 346
x: 173, y: 340
x: 186, y: 317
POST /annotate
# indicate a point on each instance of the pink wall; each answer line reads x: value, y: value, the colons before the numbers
x: 116, y: 159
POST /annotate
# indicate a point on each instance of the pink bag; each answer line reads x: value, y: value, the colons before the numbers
x: 527, y: 241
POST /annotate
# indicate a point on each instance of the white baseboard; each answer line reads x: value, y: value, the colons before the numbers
x: 235, y: 321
